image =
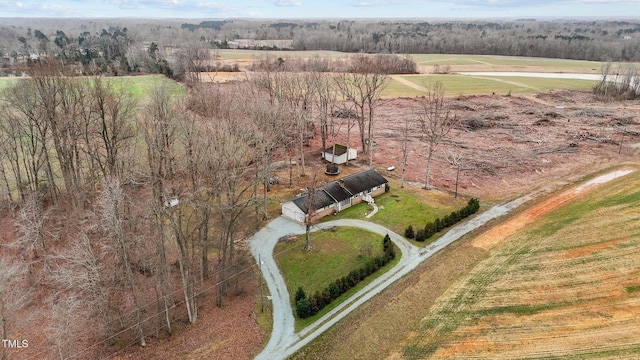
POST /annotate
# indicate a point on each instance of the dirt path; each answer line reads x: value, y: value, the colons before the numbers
x: 408, y: 83
x: 497, y: 234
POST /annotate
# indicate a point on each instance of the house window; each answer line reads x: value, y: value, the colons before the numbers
x: 368, y: 191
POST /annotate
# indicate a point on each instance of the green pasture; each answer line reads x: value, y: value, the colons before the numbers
x: 6, y: 81
x: 138, y: 86
x: 476, y: 85
x: 510, y: 61
x: 334, y: 253
x: 141, y: 86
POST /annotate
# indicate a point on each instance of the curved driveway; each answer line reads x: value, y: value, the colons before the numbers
x: 284, y: 341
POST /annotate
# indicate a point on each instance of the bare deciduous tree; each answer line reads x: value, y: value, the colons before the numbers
x: 14, y: 295
x: 435, y: 121
x: 110, y: 207
x: 362, y: 86
x: 32, y: 233
x: 113, y: 109
x: 455, y: 159
x: 81, y: 271
x: 309, y: 218
x: 406, y: 129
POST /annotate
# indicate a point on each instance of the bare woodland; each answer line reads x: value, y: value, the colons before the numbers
x: 133, y: 212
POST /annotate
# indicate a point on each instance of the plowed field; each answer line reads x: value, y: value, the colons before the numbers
x: 564, y: 285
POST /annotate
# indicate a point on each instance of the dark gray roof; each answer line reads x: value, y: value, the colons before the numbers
x: 340, y: 149
x: 333, y: 192
x: 336, y: 191
x: 321, y: 199
x: 362, y: 181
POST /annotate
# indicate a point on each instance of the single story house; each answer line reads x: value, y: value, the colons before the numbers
x: 342, y: 154
x: 337, y: 195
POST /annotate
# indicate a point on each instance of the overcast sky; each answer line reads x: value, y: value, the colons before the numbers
x: 283, y: 9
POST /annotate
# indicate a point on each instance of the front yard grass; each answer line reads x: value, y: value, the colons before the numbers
x: 398, y: 208
x: 334, y: 253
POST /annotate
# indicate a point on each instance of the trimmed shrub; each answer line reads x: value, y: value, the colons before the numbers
x: 379, y: 261
x: 320, y: 300
x: 326, y: 296
x: 334, y: 290
x: 428, y: 230
x: 437, y: 225
x: 409, y: 233
x: 303, y: 308
x: 306, y: 307
x: 354, y: 277
x: 314, y: 306
x: 370, y: 266
x: 300, y: 294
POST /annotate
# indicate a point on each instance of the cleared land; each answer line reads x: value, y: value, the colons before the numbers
x: 427, y: 64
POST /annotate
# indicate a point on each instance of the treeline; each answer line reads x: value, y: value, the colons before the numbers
x: 125, y: 215
x: 439, y: 224
x: 311, y: 305
x: 383, y: 63
x: 597, y: 40
x: 163, y: 46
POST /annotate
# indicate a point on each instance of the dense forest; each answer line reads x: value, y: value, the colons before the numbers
x: 160, y: 46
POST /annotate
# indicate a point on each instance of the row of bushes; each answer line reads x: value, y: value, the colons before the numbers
x: 309, y: 306
x: 440, y: 224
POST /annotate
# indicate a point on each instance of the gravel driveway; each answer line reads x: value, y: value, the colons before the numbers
x: 284, y: 341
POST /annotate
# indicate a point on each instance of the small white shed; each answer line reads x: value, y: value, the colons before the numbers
x: 342, y: 154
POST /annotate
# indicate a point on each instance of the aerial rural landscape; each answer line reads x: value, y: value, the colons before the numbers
x: 367, y: 188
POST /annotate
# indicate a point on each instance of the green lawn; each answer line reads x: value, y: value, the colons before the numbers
x: 6, y: 81
x: 333, y: 254
x: 396, y: 89
x: 400, y: 207
x: 141, y: 86
x: 467, y: 84
x: 512, y: 61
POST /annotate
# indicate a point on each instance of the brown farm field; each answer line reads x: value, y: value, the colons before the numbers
x: 565, y: 285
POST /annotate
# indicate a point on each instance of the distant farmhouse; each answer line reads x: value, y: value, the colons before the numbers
x: 340, y: 155
x: 337, y: 195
